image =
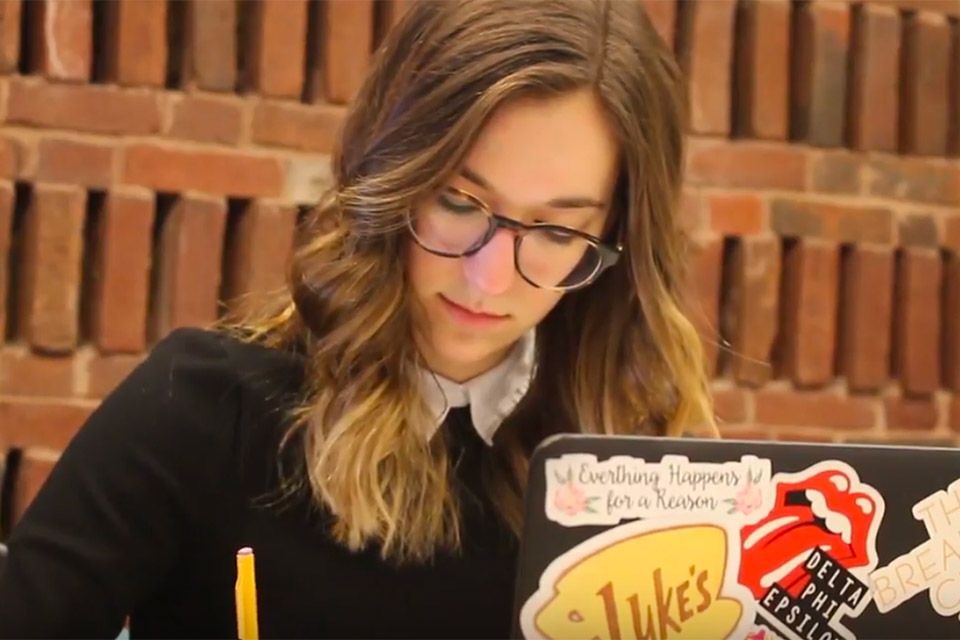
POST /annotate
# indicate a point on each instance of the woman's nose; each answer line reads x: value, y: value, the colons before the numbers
x: 491, y: 270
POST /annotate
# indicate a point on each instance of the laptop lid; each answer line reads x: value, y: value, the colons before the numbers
x: 634, y: 537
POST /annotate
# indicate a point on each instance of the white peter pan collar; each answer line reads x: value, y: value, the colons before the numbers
x: 491, y: 395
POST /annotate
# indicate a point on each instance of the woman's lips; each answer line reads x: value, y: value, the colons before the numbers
x: 465, y: 316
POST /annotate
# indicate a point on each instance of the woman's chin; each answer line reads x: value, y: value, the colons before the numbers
x: 460, y: 360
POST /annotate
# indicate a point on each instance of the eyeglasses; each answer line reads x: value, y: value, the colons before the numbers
x: 454, y: 224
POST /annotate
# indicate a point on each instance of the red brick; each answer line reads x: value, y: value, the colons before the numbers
x: 36, y: 422
x: 814, y: 409
x: 917, y: 320
x: 344, y: 50
x: 763, y: 69
x: 737, y: 214
x: 121, y: 277
x: 910, y: 413
x: 705, y: 52
x: 903, y: 439
x: 691, y: 210
x: 730, y: 405
x: 6, y: 227
x: 106, y: 372
x: 837, y: 172
x: 866, y: 316
x: 10, y: 14
x: 802, y: 217
x: 9, y: 160
x: 61, y: 41
x: 207, y: 118
x: 191, y: 249
x: 804, y: 434
x: 953, y: 142
x: 706, y: 272
x: 135, y: 51
x: 738, y: 432
x: 261, y: 246
x: 32, y: 374
x: 914, y: 179
x: 820, y: 77
x: 210, y: 51
x: 90, y: 108
x: 51, y: 258
x: 950, y: 236
x: 749, y: 316
x: 875, y: 81
x: 924, y: 84
x: 17, y: 154
x: 811, y: 272
x: 919, y: 230
x: 746, y: 164
x: 297, y: 126
x: 951, y: 326
x: 277, y: 48
x: 4, y: 93
x: 75, y: 161
x: 663, y: 15
x: 34, y: 468
x: 177, y: 169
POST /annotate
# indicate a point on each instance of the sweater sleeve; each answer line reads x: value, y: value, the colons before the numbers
x: 119, y: 504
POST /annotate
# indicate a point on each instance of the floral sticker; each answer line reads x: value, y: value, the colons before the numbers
x: 570, y: 498
x: 584, y: 491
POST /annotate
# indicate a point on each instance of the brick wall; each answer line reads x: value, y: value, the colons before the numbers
x: 154, y: 158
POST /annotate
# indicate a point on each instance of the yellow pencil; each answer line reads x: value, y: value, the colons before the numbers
x: 246, y: 595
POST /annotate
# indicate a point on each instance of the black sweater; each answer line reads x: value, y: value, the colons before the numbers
x: 144, y: 512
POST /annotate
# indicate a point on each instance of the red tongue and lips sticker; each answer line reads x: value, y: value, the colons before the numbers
x: 817, y: 512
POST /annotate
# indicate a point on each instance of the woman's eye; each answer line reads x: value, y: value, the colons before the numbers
x: 457, y: 204
x: 561, y: 237
x: 557, y: 236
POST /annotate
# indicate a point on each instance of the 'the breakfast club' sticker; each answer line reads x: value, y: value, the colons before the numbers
x: 788, y: 556
x: 934, y: 565
x: 583, y: 491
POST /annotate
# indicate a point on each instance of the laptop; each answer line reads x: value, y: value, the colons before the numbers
x: 663, y: 538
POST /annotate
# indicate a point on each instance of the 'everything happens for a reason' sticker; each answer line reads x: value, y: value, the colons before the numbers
x: 583, y: 491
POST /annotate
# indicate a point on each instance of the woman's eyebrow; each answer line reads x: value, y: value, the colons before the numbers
x: 556, y: 203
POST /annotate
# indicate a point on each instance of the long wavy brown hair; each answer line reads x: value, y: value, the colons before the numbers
x: 619, y: 356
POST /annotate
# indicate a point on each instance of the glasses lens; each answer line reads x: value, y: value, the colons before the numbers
x: 450, y: 223
x: 557, y: 258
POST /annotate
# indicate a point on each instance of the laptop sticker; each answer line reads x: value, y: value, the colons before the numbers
x: 630, y: 582
x: 584, y: 491
x: 719, y: 550
x: 807, y: 561
x: 932, y: 566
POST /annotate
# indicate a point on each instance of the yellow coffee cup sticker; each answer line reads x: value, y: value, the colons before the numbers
x: 636, y: 581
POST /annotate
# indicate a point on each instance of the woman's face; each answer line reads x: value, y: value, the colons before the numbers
x: 537, y: 160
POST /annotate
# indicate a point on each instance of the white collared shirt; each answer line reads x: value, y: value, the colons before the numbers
x: 492, y: 395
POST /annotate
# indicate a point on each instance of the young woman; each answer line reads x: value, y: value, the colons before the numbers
x: 499, y: 259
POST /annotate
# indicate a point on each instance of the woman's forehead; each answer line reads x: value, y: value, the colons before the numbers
x: 535, y: 150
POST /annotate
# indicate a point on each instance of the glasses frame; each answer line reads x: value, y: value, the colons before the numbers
x: 609, y: 255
